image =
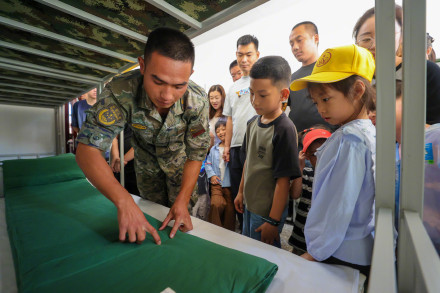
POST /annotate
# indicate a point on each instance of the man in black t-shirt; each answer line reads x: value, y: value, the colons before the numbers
x: 304, y: 40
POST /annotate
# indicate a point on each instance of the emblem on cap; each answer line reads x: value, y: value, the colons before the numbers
x: 324, y: 59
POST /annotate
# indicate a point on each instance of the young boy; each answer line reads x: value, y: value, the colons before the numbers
x: 271, y: 151
x: 222, y: 211
x: 314, y: 137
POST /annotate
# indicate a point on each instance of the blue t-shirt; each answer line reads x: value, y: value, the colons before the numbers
x: 79, y: 113
x: 79, y: 116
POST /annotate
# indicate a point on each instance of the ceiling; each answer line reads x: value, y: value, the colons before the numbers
x: 53, y: 51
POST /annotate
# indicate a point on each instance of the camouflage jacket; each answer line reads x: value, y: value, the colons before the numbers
x: 124, y: 100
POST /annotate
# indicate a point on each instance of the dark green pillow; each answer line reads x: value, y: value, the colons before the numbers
x: 31, y: 172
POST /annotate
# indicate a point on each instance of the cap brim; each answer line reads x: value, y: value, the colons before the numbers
x: 321, y: 77
x: 306, y: 146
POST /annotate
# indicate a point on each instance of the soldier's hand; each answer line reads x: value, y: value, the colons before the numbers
x: 179, y: 213
x: 133, y: 222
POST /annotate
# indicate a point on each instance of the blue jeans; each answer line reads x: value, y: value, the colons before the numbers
x: 252, y: 221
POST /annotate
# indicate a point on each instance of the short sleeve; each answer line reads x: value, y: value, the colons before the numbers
x: 197, y: 137
x: 337, y: 184
x: 227, y: 107
x: 103, y: 122
x: 285, y: 160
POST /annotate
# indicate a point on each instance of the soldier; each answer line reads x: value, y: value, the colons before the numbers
x: 168, y: 114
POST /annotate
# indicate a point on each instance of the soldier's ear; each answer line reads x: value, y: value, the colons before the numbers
x: 141, y: 64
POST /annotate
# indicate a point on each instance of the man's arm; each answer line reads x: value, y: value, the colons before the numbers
x: 179, y: 211
x: 75, y: 130
x: 114, y: 156
x: 228, y: 139
x: 130, y: 218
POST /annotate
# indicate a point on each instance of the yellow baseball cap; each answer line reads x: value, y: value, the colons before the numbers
x: 338, y: 63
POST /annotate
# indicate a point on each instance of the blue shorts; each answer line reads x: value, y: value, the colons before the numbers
x: 252, y: 221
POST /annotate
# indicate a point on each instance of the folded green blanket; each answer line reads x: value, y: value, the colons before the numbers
x: 64, y: 238
x: 30, y: 172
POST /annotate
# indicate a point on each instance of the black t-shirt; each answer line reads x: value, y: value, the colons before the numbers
x: 432, y: 91
x: 271, y: 153
x: 303, y: 112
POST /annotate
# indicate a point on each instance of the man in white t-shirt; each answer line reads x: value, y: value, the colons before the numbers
x: 239, y: 110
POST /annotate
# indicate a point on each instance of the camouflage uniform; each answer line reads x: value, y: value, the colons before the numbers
x: 161, y: 148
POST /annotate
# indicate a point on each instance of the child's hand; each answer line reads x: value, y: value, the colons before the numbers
x: 302, y: 160
x: 308, y: 256
x: 268, y: 233
x: 238, y: 203
x: 215, y: 180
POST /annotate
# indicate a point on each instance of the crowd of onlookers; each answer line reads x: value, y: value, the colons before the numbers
x: 306, y: 140
x: 325, y: 159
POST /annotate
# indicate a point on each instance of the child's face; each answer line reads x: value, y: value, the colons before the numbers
x: 311, y: 150
x: 333, y: 106
x: 266, y: 98
x: 399, y: 120
x: 215, y: 98
x: 221, y: 132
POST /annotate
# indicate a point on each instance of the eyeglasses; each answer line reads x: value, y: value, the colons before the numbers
x: 366, y: 42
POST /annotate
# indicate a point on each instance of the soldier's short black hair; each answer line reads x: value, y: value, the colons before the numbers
x: 219, y: 123
x: 170, y: 43
x: 233, y: 64
x: 246, y: 40
x: 310, y: 26
x: 274, y: 68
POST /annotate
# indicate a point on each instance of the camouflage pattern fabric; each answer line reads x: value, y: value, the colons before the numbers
x: 161, y: 147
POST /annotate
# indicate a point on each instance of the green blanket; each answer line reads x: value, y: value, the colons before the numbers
x: 64, y: 238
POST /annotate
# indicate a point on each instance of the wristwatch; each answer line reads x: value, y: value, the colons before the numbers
x: 271, y: 221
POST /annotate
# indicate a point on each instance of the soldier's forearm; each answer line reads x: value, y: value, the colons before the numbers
x: 191, y: 171
x: 99, y: 173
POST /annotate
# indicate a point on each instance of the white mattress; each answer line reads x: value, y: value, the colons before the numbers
x: 294, y: 273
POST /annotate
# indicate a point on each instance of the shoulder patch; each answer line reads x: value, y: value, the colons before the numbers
x: 197, y: 130
x: 109, y: 115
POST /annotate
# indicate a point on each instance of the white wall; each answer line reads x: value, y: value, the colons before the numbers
x: 272, y: 22
x: 25, y: 130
